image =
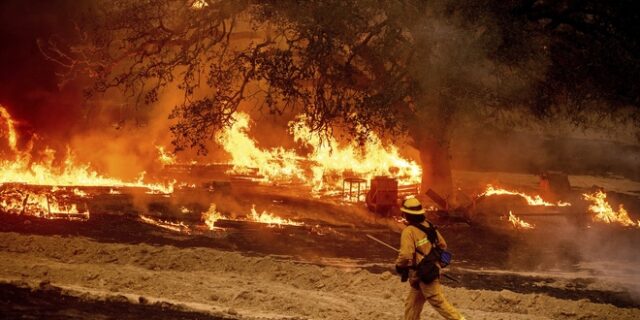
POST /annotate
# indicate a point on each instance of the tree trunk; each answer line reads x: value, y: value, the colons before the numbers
x: 436, y: 167
x: 430, y: 128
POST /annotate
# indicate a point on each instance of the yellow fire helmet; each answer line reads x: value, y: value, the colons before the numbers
x: 412, y: 206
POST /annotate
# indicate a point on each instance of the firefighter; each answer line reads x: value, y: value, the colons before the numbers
x: 412, y: 237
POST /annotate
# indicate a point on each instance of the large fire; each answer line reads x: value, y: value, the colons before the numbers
x: 531, y: 200
x: 605, y: 213
x: 21, y: 168
x: 324, y: 166
x: 45, y: 189
x: 273, y: 165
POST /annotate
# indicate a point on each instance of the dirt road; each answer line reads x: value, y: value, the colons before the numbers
x: 221, y: 284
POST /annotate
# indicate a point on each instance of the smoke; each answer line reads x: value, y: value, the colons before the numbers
x: 478, y: 148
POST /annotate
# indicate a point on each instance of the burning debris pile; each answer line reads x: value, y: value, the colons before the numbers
x: 322, y: 169
x: 47, y: 203
x: 48, y: 189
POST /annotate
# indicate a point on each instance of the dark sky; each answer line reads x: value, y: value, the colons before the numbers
x: 28, y: 85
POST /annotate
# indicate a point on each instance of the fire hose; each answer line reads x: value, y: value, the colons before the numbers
x: 396, y: 250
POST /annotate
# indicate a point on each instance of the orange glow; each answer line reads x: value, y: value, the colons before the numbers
x: 325, y: 165
x: 22, y: 169
x: 12, y: 136
x: 605, y: 213
x: 165, y: 157
x: 531, y: 200
x: 519, y: 223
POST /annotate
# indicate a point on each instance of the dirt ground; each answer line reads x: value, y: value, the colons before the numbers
x: 222, y: 284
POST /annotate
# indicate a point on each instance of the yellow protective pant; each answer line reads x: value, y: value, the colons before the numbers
x: 432, y: 293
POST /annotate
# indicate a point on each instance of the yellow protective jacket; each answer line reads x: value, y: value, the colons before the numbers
x: 412, y: 238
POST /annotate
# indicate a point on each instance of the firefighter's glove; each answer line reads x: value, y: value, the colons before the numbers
x: 403, y: 272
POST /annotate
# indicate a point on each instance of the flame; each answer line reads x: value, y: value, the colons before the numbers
x: 270, y: 219
x: 531, y: 200
x: 79, y: 193
x: 275, y: 164
x: 519, y: 223
x: 53, y: 204
x: 211, y: 216
x: 372, y: 159
x: 12, y: 136
x: 172, y: 226
x: 165, y: 157
x: 22, y: 169
x: 199, y: 4
x: 326, y: 160
x: 605, y: 213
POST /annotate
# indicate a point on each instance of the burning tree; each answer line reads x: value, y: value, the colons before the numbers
x: 410, y: 67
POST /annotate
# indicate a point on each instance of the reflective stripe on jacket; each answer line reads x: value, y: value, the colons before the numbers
x: 412, y: 238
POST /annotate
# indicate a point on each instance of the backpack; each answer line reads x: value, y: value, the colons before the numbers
x: 428, y: 269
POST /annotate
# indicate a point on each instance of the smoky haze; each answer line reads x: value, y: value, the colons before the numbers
x: 61, y: 117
